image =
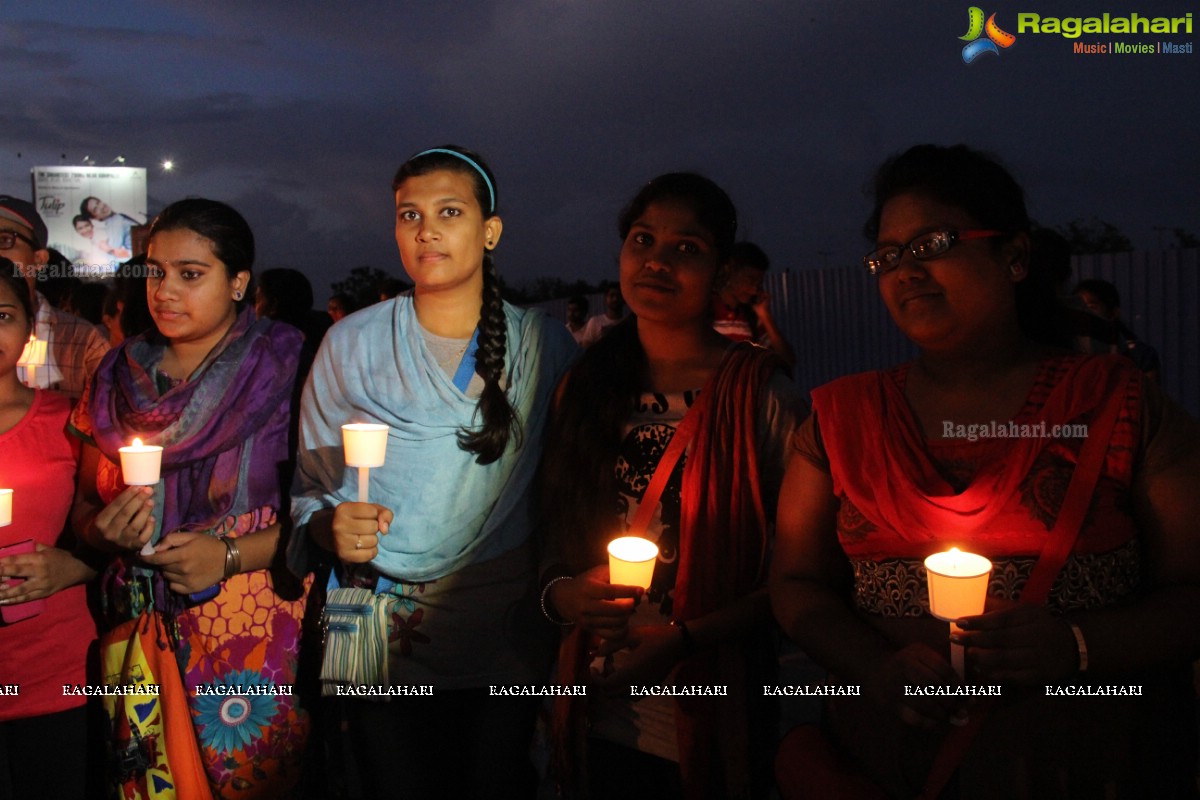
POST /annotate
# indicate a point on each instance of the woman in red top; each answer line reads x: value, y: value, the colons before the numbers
x: 1073, y: 474
x: 43, y: 745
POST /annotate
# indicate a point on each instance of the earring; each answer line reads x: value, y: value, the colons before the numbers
x: 237, y: 295
x: 489, y: 242
x: 1017, y: 270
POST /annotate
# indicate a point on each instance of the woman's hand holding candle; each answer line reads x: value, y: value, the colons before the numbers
x: 1021, y: 644
x: 191, y: 562
x: 596, y: 605
x: 356, y: 530
x: 631, y: 561
x: 127, y: 523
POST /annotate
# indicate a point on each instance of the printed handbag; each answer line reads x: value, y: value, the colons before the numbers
x: 155, y: 752
x: 355, y: 624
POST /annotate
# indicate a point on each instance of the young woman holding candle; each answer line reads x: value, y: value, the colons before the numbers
x: 214, y: 387
x: 1092, y: 533
x: 464, y: 381
x: 705, y: 619
x: 41, y: 650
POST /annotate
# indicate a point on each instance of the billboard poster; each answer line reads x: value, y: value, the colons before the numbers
x: 90, y: 213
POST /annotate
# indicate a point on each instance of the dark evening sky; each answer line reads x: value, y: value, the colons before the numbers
x: 298, y: 113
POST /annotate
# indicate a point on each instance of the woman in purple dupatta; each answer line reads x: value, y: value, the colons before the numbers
x: 214, y: 387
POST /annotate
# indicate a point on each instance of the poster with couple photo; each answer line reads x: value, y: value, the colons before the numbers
x: 91, y: 213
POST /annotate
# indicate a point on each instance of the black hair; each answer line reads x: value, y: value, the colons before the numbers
x: 708, y: 202
x: 112, y: 301
x: 78, y: 218
x: 227, y: 230
x: 978, y: 184
x: 1104, y: 291
x: 288, y: 293
x: 748, y: 255
x: 130, y: 281
x: 87, y: 301
x: 389, y: 287
x: 15, y: 281
x: 577, y: 489
x: 500, y: 421
x: 1050, y: 252
x: 83, y: 206
x: 348, y: 302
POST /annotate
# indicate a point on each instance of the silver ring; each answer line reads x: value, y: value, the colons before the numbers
x: 358, y: 542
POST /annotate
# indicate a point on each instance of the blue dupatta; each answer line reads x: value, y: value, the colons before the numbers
x: 449, y: 511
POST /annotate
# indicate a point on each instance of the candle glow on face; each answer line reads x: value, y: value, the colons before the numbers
x: 631, y: 561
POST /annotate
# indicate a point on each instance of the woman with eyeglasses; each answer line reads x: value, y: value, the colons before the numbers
x: 977, y: 444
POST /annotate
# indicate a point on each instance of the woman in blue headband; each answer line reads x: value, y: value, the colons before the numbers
x: 463, y: 381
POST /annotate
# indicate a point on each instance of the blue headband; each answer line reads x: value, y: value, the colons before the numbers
x: 474, y: 165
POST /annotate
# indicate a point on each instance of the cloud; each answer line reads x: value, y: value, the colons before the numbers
x: 305, y: 109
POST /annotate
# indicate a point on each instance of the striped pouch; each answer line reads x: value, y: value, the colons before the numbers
x: 355, y: 623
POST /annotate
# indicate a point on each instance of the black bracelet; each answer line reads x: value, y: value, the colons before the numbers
x: 689, y: 644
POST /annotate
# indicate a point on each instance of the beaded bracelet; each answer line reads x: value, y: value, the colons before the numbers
x: 545, y: 610
x: 233, y: 557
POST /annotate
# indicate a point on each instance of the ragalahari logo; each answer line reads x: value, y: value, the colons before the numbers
x: 996, y: 38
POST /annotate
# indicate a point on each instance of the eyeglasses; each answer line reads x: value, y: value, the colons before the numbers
x: 8, y: 240
x: 924, y: 247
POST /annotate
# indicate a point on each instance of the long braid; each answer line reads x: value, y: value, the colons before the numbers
x: 499, y: 419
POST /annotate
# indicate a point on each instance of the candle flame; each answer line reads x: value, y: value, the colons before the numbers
x: 137, y: 442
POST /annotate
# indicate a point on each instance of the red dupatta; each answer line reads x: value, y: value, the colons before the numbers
x: 723, y: 549
x: 880, y: 462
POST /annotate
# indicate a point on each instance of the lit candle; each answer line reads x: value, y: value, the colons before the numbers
x: 140, y: 463
x: 631, y: 561
x: 957, y: 588
x: 6, y: 496
x: 366, y: 446
x: 32, y: 357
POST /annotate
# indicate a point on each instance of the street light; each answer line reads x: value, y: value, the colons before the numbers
x: 168, y: 165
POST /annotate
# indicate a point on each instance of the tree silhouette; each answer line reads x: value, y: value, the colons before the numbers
x: 362, y: 284
x: 1095, y: 236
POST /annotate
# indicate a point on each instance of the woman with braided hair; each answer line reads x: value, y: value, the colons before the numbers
x: 464, y: 381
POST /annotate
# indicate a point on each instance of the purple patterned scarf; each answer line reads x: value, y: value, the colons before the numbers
x: 224, y: 432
